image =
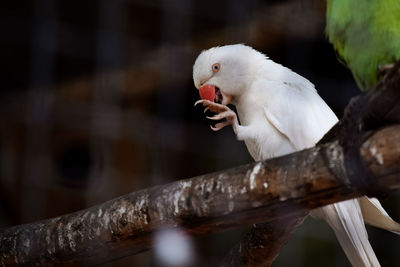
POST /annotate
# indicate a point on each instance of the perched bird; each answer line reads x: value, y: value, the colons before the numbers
x: 365, y: 35
x: 281, y: 112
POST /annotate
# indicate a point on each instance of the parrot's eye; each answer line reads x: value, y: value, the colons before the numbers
x: 215, y: 67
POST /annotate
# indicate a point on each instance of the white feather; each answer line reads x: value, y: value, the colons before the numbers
x: 346, y: 220
x: 375, y: 215
x: 280, y: 112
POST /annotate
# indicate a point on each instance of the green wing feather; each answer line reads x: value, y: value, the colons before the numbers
x: 365, y: 35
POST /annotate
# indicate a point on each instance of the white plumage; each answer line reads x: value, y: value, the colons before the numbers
x: 280, y: 112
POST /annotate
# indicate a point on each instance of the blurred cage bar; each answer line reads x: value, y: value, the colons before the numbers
x: 97, y: 101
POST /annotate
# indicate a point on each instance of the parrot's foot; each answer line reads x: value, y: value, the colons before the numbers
x: 223, y: 112
x: 384, y: 69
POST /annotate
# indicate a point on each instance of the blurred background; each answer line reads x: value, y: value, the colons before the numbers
x: 97, y: 97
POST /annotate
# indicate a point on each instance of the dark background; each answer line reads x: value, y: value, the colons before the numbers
x: 96, y: 101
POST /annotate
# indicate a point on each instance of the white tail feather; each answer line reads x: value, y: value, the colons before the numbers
x: 375, y: 215
x: 346, y: 220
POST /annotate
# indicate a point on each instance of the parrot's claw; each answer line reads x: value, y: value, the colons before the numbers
x: 219, y: 126
x: 229, y: 115
x: 199, y: 101
x: 212, y: 106
x: 223, y: 112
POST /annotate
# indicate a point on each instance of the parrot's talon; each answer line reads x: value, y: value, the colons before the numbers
x: 205, y: 110
x: 217, y: 128
x: 220, y: 125
x: 197, y: 102
x: 215, y: 117
x: 201, y: 101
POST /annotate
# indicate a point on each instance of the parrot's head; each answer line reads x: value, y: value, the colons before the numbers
x: 222, y: 74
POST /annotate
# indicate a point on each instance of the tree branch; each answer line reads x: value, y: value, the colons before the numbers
x: 244, y: 195
x: 262, y: 244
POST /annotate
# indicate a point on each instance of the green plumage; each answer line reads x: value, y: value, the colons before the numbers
x: 365, y: 35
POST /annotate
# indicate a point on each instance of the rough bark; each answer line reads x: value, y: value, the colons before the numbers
x: 262, y: 244
x: 248, y: 194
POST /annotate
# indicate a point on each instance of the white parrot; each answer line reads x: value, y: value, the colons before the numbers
x: 281, y: 112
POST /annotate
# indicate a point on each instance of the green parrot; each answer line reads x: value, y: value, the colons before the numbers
x: 365, y: 35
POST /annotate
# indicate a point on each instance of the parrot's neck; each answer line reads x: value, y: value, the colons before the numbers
x: 249, y: 108
x: 251, y: 103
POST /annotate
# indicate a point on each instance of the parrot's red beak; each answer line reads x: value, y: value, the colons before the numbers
x: 212, y: 93
x: 207, y: 92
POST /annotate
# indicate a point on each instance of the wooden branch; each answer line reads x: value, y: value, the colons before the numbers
x: 262, y: 244
x: 244, y: 195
